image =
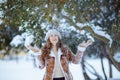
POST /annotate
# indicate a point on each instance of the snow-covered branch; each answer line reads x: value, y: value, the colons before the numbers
x: 88, y: 28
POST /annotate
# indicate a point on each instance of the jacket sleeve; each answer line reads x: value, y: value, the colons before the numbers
x: 41, y: 61
x: 76, y: 58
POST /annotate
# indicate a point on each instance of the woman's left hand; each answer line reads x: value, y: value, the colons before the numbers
x: 86, y: 44
x: 82, y: 46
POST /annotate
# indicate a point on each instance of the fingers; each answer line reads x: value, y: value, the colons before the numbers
x: 28, y: 46
x: 82, y: 44
x: 86, y: 44
x: 89, y: 42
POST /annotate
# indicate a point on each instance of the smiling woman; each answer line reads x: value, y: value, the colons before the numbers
x: 55, y: 56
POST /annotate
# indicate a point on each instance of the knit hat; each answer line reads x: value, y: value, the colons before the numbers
x: 52, y: 31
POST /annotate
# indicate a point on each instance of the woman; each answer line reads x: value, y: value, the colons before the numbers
x: 56, y: 56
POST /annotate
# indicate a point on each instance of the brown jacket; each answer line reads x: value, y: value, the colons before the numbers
x: 48, y: 61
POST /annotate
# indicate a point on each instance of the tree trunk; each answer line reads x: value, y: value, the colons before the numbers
x: 101, y: 58
x: 86, y: 77
x: 110, y: 67
x: 109, y: 55
x: 110, y: 70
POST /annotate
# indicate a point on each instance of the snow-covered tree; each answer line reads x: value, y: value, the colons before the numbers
x: 88, y: 19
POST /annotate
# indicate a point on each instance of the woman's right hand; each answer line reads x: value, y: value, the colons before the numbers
x: 34, y: 49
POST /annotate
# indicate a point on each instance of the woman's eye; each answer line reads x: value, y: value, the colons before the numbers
x: 55, y: 35
x: 51, y: 35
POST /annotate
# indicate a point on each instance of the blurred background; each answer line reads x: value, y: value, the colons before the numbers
x: 25, y: 22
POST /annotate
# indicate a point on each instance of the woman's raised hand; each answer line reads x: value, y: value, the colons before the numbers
x: 86, y: 44
x: 34, y: 49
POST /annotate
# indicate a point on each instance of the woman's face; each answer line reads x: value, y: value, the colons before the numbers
x: 53, y: 39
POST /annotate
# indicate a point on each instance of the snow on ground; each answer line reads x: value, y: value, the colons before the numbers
x: 96, y: 63
x: 25, y: 70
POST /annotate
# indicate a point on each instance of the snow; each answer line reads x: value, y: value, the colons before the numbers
x: 1, y: 13
x: 117, y: 56
x: 2, y: 51
x: 21, y: 28
x: 1, y: 21
x: 25, y: 70
x: 28, y: 40
x: 3, y: 1
x: 18, y: 40
x: 64, y: 12
x: 82, y: 24
x: 97, y: 29
x: 1, y: 16
x: 90, y: 37
x: 104, y: 9
x: 24, y: 38
x: 97, y: 65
